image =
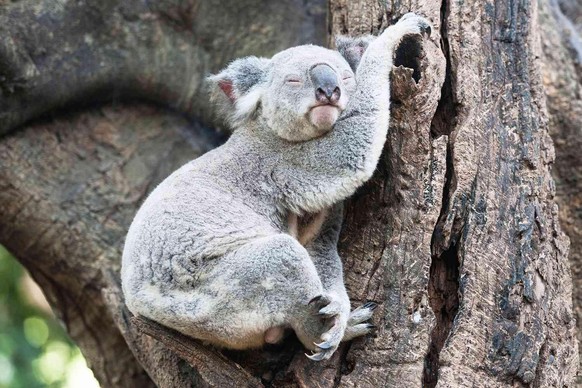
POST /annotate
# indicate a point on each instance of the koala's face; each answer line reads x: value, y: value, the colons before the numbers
x: 306, y: 89
x: 298, y: 94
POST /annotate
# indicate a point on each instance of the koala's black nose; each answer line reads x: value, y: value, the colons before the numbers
x: 326, y: 84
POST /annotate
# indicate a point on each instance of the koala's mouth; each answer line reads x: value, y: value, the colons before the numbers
x: 318, y: 104
x: 324, y: 116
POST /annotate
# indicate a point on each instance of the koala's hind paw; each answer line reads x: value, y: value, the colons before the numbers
x: 362, y: 313
x: 356, y: 323
x: 328, y: 310
x: 330, y: 342
x: 325, y: 306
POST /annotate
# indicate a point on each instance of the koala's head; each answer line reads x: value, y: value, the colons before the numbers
x: 298, y: 94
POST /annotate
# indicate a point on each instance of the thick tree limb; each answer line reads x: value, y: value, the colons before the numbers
x: 221, y: 372
x: 68, y: 190
x: 54, y: 54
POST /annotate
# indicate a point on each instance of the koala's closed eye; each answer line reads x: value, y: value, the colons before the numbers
x: 347, y: 76
x: 293, y: 79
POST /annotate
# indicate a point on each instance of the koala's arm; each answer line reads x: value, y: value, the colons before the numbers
x: 323, y: 251
x: 323, y: 171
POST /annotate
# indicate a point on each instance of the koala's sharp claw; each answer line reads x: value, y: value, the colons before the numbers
x: 371, y: 326
x: 425, y: 29
x: 319, y: 301
x: 316, y: 356
x: 370, y: 305
x: 323, y: 345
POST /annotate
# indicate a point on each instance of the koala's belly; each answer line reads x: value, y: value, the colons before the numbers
x: 180, y: 234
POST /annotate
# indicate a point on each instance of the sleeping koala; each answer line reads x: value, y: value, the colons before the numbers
x: 241, y: 243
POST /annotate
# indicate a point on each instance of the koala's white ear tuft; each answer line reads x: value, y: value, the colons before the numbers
x: 248, y: 104
x: 352, y: 49
x: 235, y: 89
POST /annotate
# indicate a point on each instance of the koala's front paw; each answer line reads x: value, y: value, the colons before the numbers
x: 330, y: 311
x: 411, y: 23
x: 357, y: 325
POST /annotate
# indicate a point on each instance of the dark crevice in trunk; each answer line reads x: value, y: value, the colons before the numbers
x: 443, y: 284
x: 408, y: 54
x: 444, y: 300
x: 445, y: 116
x: 345, y: 366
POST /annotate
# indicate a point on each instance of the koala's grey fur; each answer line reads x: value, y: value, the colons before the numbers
x: 241, y: 243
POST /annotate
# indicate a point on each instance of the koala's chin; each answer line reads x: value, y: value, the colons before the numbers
x: 324, y: 117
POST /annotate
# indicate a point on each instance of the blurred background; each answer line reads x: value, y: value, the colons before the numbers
x: 35, y: 350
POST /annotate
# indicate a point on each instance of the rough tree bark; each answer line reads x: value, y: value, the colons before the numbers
x: 456, y: 236
x: 562, y: 76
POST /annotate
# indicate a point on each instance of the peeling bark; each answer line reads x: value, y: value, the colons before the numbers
x: 456, y: 236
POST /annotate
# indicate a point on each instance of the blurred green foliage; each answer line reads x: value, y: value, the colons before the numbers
x: 35, y: 351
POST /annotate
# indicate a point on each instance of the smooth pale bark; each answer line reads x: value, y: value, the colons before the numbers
x: 456, y: 236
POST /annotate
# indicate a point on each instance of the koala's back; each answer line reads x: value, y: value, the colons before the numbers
x: 187, y: 223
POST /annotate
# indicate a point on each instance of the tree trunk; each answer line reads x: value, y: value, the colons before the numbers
x: 562, y: 77
x: 456, y: 236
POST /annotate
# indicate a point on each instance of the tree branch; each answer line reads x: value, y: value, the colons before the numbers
x: 54, y: 55
x: 213, y: 367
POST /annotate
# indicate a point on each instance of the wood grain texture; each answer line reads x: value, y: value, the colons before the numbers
x: 515, y: 323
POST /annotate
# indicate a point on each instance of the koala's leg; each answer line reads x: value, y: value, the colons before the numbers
x: 323, y: 251
x: 276, y: 279
x: 246, y: 297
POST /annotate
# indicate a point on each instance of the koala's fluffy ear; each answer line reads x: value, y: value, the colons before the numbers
x: 237, y: 90
x: 352, y: 49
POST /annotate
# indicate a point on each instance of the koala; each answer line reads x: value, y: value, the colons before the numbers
x: 240, y: 244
